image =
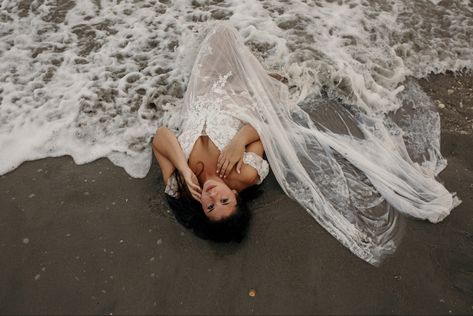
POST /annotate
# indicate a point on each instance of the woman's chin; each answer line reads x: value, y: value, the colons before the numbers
x: 206, y: 184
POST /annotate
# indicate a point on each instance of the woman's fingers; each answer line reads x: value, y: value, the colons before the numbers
x: 223, y: 166
x: 223, y: 173
x: 220, y: 159
x: 221, y: 170
x: 195, y: 191
x: 238, y: 168
x: 195, y: 187
x: 220, y: 162
x: 228, y: 168
x: 196, y: 196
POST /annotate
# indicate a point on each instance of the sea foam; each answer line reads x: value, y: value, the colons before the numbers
x: 96, y: 78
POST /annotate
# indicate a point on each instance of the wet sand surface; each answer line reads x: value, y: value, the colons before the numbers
x: 91, y: 240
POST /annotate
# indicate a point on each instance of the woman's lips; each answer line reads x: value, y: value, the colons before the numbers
x: 210, y: 187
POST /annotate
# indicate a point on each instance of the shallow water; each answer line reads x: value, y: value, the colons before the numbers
x: 95, y: 79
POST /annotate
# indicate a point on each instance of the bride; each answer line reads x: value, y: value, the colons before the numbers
x: 354, y: 183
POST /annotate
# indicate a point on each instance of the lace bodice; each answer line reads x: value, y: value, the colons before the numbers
x: 206, y: 116
x: 354, y: 186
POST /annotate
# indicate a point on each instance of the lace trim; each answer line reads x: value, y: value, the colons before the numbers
x: 172, y: 188
x: 261, y: 165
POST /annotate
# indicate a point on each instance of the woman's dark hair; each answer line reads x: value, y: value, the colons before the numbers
x: 189, y: 213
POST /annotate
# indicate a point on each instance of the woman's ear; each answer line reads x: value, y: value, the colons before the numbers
x: 235, y: 191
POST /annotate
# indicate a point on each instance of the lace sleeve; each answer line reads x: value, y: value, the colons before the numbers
x: 171, y: 187
x: 261, y: 165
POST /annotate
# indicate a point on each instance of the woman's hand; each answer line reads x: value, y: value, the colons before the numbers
x: 192, y: 183
x: 232, y: 154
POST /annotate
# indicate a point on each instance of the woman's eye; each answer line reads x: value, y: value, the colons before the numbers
x: 224, y: 200
x: 210, y: 207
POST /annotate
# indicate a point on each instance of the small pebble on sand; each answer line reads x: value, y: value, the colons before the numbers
x: 32, y: 195
x: 26, y: 241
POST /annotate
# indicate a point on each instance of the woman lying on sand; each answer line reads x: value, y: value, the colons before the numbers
x: 354, y: 186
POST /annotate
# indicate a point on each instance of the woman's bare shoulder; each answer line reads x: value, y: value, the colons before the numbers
x: 240, y: 181
x: 248, y: 175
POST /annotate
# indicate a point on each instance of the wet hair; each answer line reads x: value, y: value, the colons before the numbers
x: 190, y: 214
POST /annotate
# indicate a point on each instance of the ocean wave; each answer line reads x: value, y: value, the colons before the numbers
x: 94, y: 79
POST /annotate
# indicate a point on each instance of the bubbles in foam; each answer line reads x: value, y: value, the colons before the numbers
x: 96, y: 79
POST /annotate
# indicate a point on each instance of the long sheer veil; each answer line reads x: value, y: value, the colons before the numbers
x: 353, y: 177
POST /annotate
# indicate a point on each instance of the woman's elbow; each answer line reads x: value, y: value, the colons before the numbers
x: 160, y: 133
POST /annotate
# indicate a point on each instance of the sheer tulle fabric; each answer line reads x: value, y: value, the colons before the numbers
x: 353, y: 177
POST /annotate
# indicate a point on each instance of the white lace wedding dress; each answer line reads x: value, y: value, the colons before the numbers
x: 206, y: 117
x: 354, y: 184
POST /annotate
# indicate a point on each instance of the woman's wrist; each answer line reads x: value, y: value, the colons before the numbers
x: 183, y: 168
x: 239, y: 141
x: 246, y: 135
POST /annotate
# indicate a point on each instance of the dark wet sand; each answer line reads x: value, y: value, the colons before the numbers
x: 90, y: 240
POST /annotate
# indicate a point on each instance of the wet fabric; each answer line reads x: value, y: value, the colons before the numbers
x: 355, y: 177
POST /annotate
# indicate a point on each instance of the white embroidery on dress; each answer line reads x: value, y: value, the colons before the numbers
x: 261, y: 165
x: 206, y: 116
x: 218, y: 86
x: 172, y: 188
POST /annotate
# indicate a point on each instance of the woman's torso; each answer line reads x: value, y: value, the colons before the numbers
x: 207, y: 120
x: 204, y: 156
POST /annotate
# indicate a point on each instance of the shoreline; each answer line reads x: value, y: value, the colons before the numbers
x: 89, y: 239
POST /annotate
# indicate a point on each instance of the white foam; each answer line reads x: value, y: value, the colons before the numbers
x: 98, y: 82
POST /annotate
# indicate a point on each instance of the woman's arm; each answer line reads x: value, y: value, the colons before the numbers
x: 233, y: 153
x: 168, y: 152
x: 247, y: 135
x: 170, y: 156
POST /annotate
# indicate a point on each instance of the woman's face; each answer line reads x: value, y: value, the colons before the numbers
x: 218, y: 200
